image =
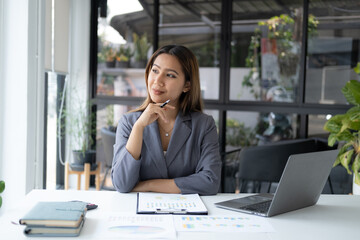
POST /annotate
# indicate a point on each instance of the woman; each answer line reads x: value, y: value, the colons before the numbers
x: 169, y: 148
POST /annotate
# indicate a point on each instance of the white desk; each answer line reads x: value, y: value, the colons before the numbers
x: 333, y: 217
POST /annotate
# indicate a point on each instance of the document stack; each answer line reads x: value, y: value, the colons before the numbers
x: 55, y: 219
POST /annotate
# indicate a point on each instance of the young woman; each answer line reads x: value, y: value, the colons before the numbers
x: 173, y: 147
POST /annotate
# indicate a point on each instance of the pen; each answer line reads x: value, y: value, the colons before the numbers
x: 163, y: 105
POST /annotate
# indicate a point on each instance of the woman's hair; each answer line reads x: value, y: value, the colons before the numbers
x: 189, y: 101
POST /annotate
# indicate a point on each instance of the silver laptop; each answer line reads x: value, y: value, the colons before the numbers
x: 301, y: 184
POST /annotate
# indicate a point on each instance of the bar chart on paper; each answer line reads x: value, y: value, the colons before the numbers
x: 152, y: 202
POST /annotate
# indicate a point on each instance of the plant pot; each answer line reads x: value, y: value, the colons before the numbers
x: 122, y: 64
x: 355, y: 187
x: 80, y: 158
x: 139, y: 64
x: 110, y: 64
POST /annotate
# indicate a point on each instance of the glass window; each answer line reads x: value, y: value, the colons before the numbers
x: 265, y: 50
x: 249, y: 129
x: 124, y: 45
x: 195, y: 25
x: 333, y: 50
x: 316, y: 126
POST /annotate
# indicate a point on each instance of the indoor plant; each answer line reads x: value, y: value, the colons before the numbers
x: 2, y: 188
x: 282, y: 41
x: 345, y: 128
x: 141, y: 48
x: 123, y: 57
x: 80, y: 125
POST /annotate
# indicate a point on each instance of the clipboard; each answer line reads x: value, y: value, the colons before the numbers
x: 164, y: 203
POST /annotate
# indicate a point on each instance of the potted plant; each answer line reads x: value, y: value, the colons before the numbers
x: 123, y: 57
x: 80, y: 124
x: 107, y: 55
x: 141, y: 48
x: 345, y: 128
x: 2, y: 188
x: 281, y: 41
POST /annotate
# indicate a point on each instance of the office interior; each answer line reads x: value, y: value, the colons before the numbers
x: 260, y: 87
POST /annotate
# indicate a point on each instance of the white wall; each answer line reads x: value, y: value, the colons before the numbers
x: 14, y: 95
x: 20, y: 99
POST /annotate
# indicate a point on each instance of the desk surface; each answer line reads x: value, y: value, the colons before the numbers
x: 333, y: 217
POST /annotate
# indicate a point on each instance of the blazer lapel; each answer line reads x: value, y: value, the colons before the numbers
x: 181, y: 133
x: 154, y: 149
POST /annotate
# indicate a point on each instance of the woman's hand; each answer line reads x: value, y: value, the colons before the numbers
x: 152, y: 113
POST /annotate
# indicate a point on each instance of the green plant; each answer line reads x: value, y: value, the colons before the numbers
x: 124, y: 54
x: 107, y: 54
x: 2, y: 188
x: 280, y: 30
x: 346, y: 128
x: 80, y: 123
x: 141, y: 47
x: 239, y: 135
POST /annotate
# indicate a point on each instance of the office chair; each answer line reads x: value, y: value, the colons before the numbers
x: 108, y: 140
x: 259, y: 164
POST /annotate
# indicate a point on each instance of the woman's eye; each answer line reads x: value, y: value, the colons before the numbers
x: 154, y: 70
x: 171, y: 75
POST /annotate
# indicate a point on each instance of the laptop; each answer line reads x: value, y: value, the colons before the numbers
x: 301, y: 184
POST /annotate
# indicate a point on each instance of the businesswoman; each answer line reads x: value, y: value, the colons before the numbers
x: 168, y: 148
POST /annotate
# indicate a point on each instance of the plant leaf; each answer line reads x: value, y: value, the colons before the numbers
x: 333, y: 125
x: 351, y: 91
x: 2, y: 186
x: 345, y: 159
x: 356, y: 168
x: 332, y: 139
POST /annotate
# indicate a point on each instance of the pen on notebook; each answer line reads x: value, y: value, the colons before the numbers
x: 163, y: 105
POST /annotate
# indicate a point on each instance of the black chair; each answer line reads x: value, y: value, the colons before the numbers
x: 108, y: 140
x: 265, y: 164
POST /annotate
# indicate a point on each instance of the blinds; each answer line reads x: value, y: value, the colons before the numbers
x: 57, y: 19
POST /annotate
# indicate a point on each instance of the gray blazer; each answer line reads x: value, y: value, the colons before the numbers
x: 192, y: 158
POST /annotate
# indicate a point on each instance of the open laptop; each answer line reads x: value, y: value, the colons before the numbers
x: 301, y: 184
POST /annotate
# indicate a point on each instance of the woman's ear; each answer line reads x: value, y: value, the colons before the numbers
x: 186, y: 86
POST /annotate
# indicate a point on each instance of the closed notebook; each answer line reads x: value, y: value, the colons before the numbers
x: 38, y: 231
x: 55, y: 214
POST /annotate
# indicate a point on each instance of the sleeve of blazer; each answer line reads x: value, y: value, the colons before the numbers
x: 207, y: 177
x: 125, y: 169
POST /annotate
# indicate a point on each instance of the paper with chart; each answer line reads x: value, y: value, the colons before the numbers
x: 154, y: 202
x: 222, y: 224
x: 126, y: 225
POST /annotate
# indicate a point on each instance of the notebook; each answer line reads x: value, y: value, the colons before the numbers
x: 38, y: 231
x: 301, y: 184
x: 55, y: 214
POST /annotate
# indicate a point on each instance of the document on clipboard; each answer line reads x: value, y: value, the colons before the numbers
x: 163, y: 203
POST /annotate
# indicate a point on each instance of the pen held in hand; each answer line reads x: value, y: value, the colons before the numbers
x: 166, y: 102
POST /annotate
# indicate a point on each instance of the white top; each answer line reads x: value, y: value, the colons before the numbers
x: 334, y: 217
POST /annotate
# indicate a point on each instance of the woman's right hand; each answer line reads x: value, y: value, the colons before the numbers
x: 152, y: 112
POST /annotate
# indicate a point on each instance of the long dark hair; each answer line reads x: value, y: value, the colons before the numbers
x: 189, y: 101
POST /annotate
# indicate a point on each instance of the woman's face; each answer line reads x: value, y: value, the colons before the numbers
x: 166, y: 80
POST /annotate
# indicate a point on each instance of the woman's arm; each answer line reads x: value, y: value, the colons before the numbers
x: 207, y: 176
x: 157, y: 185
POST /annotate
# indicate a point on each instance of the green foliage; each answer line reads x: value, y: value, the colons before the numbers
x: 239, y: 135
x: 124, y: 54
x: 346, y: 128
x: 281, y: 29
x: 141, y: 47
x: 107, y: 53
x: 110, y: 115
x: 80, y: 123
x: 2, y: 188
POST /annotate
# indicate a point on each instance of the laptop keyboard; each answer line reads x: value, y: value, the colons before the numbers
x: 262, y: 207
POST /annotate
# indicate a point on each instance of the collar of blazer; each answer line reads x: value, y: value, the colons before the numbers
x: 181, y: 132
